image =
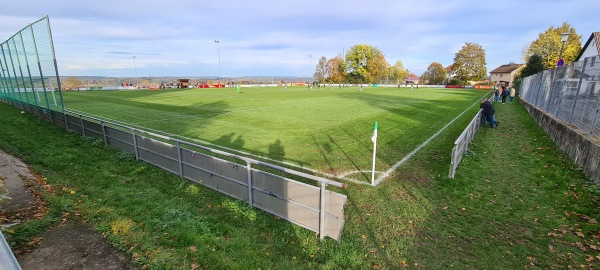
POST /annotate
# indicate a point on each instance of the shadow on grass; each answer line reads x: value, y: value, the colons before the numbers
x: 276, y: 151
x: 231, y: 141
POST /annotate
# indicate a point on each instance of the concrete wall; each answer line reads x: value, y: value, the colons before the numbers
x: 581, y: 148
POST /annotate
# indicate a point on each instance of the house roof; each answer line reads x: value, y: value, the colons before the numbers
x: 413, y: 77
x: 594, y: 36
x: 449, y: 68
x: 507, y: 68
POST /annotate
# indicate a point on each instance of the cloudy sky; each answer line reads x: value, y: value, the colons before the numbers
x: 284, y: 37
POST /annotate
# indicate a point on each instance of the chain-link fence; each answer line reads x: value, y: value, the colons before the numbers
x: 570, y: 93
x: 28, y: 71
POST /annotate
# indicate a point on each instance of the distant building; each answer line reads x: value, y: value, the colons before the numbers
x: 412, y: 79
x: 505, y: 74
x: 183, y: 83
x: 591, y: 48
x: 449, y: 73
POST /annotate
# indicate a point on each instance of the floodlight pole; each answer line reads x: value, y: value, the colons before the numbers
x: 136, y: 74
x: 219, y: 54
x: 310, y: 62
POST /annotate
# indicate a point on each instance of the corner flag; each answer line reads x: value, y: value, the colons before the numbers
x: 374, y: 137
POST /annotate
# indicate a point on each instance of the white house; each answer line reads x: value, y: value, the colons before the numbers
x: 590, y: 48
x: 505, y: 74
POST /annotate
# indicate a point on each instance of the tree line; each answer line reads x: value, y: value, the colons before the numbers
x: 366, y: 64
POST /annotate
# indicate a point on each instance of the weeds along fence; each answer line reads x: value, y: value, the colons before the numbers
x: 569, y: 93
x: 461, y: 145
x: 247, y: 179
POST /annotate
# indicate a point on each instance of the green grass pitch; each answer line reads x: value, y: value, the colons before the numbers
x: 325, y: 130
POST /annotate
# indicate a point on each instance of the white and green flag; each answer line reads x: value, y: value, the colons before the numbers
x: 374, y: 137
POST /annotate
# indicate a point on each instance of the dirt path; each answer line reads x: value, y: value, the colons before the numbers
x: 68, y: 245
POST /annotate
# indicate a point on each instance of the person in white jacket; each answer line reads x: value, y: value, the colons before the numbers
x: 512, y: 94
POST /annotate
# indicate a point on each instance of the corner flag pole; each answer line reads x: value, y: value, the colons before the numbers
x: 374, y: 139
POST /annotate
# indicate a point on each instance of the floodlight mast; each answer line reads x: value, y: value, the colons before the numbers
x: 219, y: 54
x: 136, y: 74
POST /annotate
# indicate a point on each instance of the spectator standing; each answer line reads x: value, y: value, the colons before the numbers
x: 497, y: 94
x: 513, y: 92
x: 505, y: 94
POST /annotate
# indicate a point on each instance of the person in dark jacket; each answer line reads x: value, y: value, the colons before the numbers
x: 505, y: 94
x: 497, y: 94
x: 488, y: 112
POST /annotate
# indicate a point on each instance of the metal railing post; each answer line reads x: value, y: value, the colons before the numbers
x: 104, y: 133
x: 135, y: 148
x: 66, y: 121
x: 179, y: 161
x: 322, y: 212
x: 249, y: 169
x: 82, y: 124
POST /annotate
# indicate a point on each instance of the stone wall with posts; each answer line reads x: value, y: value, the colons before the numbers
x: 582, y: 148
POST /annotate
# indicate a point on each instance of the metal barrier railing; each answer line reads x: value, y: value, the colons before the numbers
x: 314, y: 208
x: 461, y: 145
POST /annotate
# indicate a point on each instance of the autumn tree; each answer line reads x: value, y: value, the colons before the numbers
x: 71, y: 83
x: 321, y: 70
x: 469, y: 63
x: 336, y: 68
x: 397, y: 72
x: 435, y: 74
x: 366, y: 64
x: 548, y: 45
x: 533, y: 66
